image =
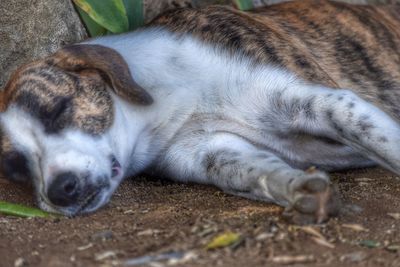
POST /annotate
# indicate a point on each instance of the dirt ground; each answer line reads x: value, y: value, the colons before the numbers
x: 150, y: 217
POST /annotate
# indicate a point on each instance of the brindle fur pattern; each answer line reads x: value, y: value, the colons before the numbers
x: 53, y: 95
x: 53, y: 88
x: 325, y: 42
x: 244, y: 101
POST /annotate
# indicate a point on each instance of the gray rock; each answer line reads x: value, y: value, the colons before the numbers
x: 102, y: 236
x: 32, y: 29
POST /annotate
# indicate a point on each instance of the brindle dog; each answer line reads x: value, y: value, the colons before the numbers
x: 244, y: 101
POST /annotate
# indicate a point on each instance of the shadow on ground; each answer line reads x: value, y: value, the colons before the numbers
x: 151, y: 217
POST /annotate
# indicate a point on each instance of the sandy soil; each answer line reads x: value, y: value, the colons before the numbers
x: 153, y: 217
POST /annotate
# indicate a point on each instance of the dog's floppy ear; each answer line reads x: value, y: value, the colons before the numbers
x: 108, y: 62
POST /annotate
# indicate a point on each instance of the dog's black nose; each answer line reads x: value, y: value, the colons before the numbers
x: 64, y: 190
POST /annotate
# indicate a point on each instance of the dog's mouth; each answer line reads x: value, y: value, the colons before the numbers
x: 115, y: 167
x: 90, y: 203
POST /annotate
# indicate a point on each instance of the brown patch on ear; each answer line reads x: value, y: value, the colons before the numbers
x: 108, y: 62
x: 3, y: 105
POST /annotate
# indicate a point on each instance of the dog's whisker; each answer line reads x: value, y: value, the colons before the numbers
x: 87, y: 201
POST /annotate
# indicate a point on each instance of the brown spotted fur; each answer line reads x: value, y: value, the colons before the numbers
x: 325, y: 42
x: 69, y: 88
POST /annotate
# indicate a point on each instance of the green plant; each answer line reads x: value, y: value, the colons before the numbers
x: 244, y: 4
x: 115, y: 16
x: 110, y: 16
x: 21, y: 211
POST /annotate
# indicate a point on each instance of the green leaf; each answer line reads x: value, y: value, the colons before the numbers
x: 21, y: 211
x: 92, y: 27
x: 135, y: 13
x: 110, y: 14
x: 244, y: 4
x: 224, y: 240
x: 369, y: 243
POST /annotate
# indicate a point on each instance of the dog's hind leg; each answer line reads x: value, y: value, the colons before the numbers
x: 238, y: 167
x: 342, y: 116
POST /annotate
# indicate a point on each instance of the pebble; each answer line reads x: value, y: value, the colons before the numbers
x: 129, y: 212
x: 105, y: 255
x: 103, y: 236
x: 356, y: 256
x: 148, y: 232
x: 35, y: 253
x: 82, y: 248
x: 20, y: 262
x: 353, y: 209
x: 264, y: 236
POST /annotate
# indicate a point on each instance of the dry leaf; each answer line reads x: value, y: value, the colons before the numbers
x: 189, y: 256
x: 105, y: 255
x: 395, y: 216
x: 85, y: 247
x: 293, y: 259
x: 149, y: 232
x: 311, y: 231
x: 355, y: 227
x: 323, y: 242
x: 223, y: 240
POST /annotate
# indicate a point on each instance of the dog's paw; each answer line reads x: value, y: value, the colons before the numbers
x: 315, y: 200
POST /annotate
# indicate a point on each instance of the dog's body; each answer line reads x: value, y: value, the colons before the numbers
x: 241, y: 101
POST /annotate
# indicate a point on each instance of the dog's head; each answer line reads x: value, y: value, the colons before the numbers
x: 55, y: 115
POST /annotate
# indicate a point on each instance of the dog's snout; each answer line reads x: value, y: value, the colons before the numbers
x: 64, y: 190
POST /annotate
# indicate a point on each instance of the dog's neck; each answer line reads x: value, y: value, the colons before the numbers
x: 139, y: 133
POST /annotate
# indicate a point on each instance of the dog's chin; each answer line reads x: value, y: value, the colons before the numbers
x: 93, y: 205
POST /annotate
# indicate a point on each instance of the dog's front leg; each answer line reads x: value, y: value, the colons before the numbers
x: 345, y: 117
x: 238, y: 167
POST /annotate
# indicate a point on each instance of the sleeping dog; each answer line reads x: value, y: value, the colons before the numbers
x: 243, y: 101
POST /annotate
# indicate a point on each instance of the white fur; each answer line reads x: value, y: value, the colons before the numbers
x: 186, y: 77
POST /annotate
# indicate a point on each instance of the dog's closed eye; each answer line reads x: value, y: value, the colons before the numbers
x: 61, y: 105
x: 58, y: 115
